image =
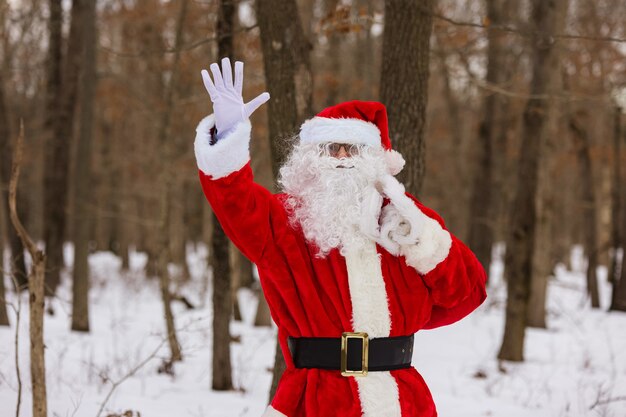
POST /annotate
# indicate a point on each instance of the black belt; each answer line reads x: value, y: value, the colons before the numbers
x: 352, y: 353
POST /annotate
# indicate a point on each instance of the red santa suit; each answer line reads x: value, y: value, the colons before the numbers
x: 376, y: 290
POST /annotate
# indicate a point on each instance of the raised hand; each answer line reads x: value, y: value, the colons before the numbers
x: 228, y: 105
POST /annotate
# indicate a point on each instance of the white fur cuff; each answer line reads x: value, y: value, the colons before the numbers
x: 228, y: 155
x: 272, y: 412
x: 433, y: 246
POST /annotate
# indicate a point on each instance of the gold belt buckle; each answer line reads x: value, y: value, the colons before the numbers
x: 344, y: 353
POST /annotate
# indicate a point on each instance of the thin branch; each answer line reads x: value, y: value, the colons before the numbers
x: 130, y: 374
x: 607, y: 401
x: 15, y: 174
x: 173, y: 50
x: 17, y: 345
x: 527, y: 33
x: 140, y: 365
x: 508, y: 29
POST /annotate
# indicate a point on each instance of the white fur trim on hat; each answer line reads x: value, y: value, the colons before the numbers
x: 341, y: 130
x: 395, y: 162
x: 228, y: 155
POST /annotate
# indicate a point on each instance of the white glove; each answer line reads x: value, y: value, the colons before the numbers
x: 401, y: 221
x: 228, y: 105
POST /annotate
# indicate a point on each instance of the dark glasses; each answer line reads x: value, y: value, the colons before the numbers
x: 340, y: 150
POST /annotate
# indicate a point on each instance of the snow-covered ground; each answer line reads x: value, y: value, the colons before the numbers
x: 575, y: 368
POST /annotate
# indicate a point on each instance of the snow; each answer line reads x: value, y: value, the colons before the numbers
x: 577, y: 367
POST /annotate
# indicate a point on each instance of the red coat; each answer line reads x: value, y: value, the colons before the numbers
x: 380, y: 293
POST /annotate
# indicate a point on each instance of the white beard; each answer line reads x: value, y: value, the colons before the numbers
x: 335, y: 207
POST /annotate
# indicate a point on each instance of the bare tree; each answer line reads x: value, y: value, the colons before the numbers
x: 81, y: 219
x: 288, y: 79
x: 18, y: 267
x: 241, y: 275
x: 521, y: 237
x: 220, y: 257
x: 62, y: 83
x: 165, y: 141
x: 616, y: 196
x: 5, y: 151
x: 588, y: 200
x: 404, y: 82
x: 285, y: 58
x: 36, y: 290
x: 618, y: 302
x: 543, y: 256
x: 618, y: 299
x: 482, y: 212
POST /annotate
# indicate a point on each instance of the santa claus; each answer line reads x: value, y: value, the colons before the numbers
x: 350, y: 264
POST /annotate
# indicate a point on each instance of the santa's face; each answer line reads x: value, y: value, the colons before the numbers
x: 333, y: 195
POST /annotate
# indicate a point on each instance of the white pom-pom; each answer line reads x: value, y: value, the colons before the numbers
x: 395, y: 162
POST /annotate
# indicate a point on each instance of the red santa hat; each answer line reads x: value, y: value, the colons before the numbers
x: 357, y: 122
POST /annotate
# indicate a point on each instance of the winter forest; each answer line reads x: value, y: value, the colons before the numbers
x: 122, y: 296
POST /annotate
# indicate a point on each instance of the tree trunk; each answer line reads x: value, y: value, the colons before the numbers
x: 177, y: 233
x: 618, y: 302
x: 543, y: 257
x: 521, y: 236
x: 242, y: 276
x: 166, y: 179
x: 263, y: 317
x: 482, y: 220
x: 456, y: 145
x: 82, y: 214
x: 616, y: 196
x: 5, y: 155
x: 18, y: 267
x: 543, y: 260
x: 285, y: 57
x: 4, y: 317
x: 588, y: 200
x: 220, y: 257
x: 404, y: 82
x: 332, y: 85
x: 288, y: 79
x: 61, y: 100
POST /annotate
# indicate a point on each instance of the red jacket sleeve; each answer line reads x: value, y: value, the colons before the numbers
x: 453, y: 275
x: 242, y: 208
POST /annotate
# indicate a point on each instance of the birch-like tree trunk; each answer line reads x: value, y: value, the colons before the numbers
x: 82, y: 214
x: 404, y: 82
x: 521, y: 236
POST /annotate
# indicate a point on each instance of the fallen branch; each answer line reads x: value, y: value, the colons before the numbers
x: 136, y: 368
x: 130, y: 374
x: 607, y: 401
